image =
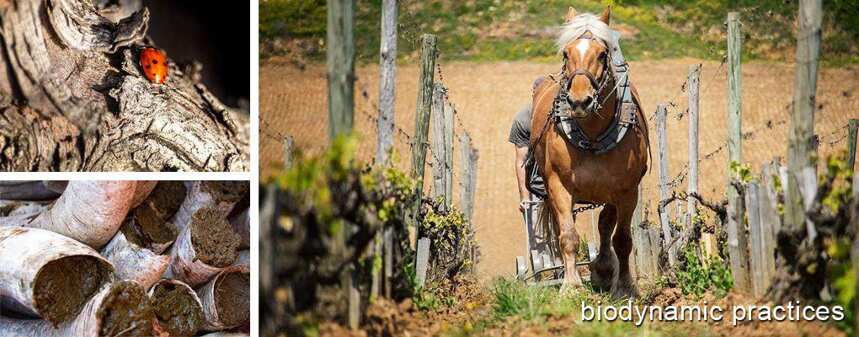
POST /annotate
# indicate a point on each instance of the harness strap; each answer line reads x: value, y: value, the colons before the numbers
x: 624, y: 116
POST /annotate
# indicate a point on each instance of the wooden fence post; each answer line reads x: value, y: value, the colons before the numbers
x: 769, y: 218
x: 385, y: 133
x: 288, y: 151
x: 801, y: 134
x: 387, y: 79
x: 662, y: 143
x: 468, y: 177
x: 656, y: 243
x: 737, y: 238
x: 692, y: 84
x: 422, y: 261
x: 757, y: 245
x: 341, y: 67
x: 442, y: 146
x: 641, y: 242
x: 852, y: 127
x: 422, y: 119
x: 341, y: 77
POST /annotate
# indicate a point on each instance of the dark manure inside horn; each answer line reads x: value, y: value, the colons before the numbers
x: 214, y: 240
x: 232, y: 298
x: 176, y: 309
x: 63, y: 286
x: 126, y: 312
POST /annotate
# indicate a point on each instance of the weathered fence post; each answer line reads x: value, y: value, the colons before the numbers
x: 641, y: 245
x: 468, y: 174
x: 801, y: 134
x: 442, y: 146
x: 757, y: 245
x: 770, y: 219
x: 422, y: 119
x: 737, y: 238
x: 385, y: 133
x: 692, y: 84
x: 662, y: 139
x: 341, y: 67
x: 852, y: 127
x: 422, y: 261
x: 387, y: 79
x: 341, y: 77
x: 288, y: 149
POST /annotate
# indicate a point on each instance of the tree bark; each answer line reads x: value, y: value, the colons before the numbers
x: 73, y: 97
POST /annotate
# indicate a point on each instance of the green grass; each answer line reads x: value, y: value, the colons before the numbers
x: 528, y: 305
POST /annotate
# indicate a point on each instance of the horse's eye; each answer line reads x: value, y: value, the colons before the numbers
x: 603, y: 55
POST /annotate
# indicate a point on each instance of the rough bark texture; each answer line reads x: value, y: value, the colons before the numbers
x: 73, y: 97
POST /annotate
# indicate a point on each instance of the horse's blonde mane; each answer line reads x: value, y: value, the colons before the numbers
x: 581, y: 24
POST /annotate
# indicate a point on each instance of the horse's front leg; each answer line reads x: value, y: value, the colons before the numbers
x: 604, y: 267
x: 562, y: 209
x: 622, y: 242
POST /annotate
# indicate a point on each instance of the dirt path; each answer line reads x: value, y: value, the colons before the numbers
x: 487, y: 95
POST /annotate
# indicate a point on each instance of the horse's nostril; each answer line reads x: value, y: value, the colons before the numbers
x: 583, y: 102
x: 587, y: 101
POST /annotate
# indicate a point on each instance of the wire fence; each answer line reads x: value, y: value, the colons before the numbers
x: 294, y: 101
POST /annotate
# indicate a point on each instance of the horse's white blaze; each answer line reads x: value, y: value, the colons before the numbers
x: 583, y: 46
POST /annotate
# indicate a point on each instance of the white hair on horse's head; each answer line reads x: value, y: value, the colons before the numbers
x: 581, y: 24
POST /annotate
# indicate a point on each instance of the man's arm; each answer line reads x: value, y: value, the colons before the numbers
x: 521, y: 153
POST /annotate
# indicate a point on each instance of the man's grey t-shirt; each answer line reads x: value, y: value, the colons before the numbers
x: 520, y: 131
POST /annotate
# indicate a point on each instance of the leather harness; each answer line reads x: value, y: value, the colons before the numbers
x: 623, y: 117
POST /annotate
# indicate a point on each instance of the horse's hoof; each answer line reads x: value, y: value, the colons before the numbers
x: 624, y: 291
x: 602, y: 276
x: 603, y: 270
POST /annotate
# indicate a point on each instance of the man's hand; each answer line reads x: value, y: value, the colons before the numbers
x: 521, y: 153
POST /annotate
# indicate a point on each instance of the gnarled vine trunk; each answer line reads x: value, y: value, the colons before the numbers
x: 73, y: 98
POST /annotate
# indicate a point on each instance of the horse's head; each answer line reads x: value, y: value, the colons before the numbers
x: 586, y: 60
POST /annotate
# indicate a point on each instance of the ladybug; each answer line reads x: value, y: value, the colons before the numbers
x: 154, y: 64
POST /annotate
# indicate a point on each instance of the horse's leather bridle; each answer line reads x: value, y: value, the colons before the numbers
x: 623, y: 117
x: 599, y: 86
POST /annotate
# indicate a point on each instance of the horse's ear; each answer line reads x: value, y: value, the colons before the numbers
x: 571, y: 13
x: 606, y: 15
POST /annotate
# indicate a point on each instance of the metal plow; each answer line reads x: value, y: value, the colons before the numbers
x: 542, y: 263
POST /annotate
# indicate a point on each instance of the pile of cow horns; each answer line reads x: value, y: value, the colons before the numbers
x: 124, y: 258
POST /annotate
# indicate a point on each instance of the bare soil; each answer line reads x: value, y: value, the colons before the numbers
x: 293, y: 101
x: 63, y: 286
x: 214, y: 240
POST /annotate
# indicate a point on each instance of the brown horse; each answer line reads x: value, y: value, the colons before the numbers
x: 575, y: 175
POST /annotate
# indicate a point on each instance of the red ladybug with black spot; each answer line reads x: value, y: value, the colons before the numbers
x: 154, y: 64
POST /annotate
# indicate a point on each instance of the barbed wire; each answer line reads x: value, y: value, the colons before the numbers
x: 839, y: 135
